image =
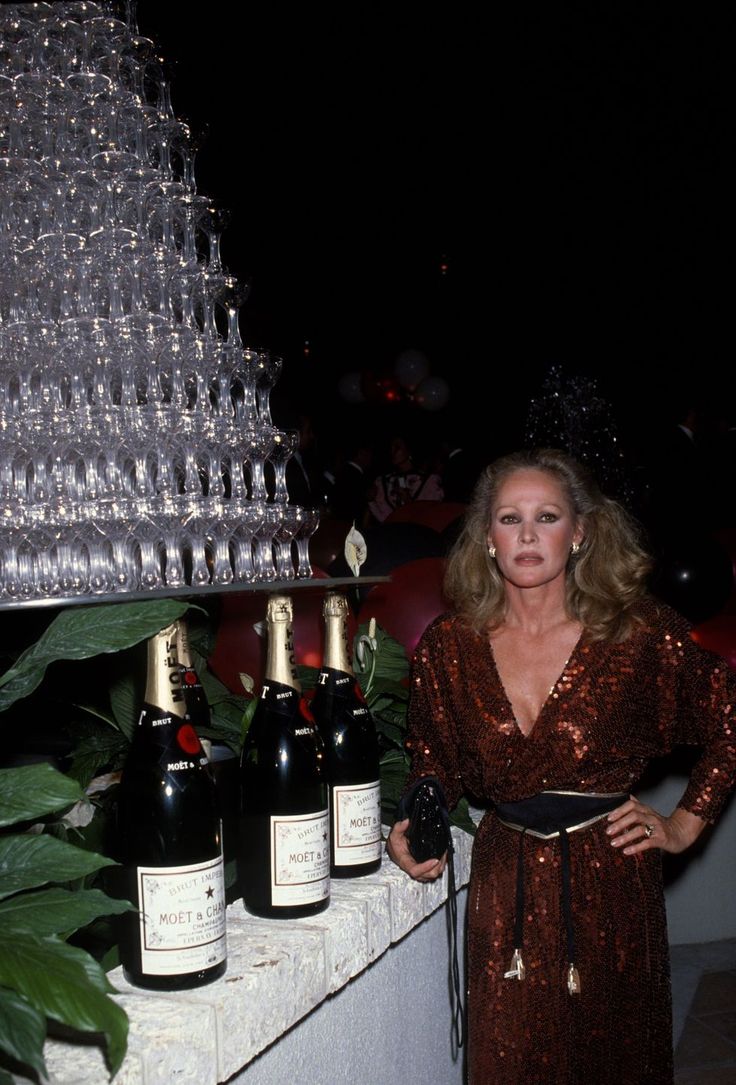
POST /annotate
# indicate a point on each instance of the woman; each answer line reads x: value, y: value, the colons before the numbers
x: 405, y: 482
x: 557, y: 673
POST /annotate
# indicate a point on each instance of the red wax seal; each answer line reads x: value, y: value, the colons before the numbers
x: 187, y: 738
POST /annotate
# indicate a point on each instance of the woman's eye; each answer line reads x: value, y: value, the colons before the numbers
x: 548, y: 517
x: 509, y: 518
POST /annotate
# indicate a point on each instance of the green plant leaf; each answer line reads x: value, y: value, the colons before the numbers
x: 307, y: 676
x: 394, y: 771
x: 460, y: 816
x: 28, y: 860
x: 124, y: 703
x: 392, y: 735
x: 66, y: 984
x: 248, y: 713
x: 227, y: 720
x: 22, y: 1031
x: 97, y: 712
x: 391, y: 663
x: 214, y: 689
x: 82, y: 632
x: 33, y: 790
x: 98, y: 748
x: 57, y: 911
x: 203, y: 639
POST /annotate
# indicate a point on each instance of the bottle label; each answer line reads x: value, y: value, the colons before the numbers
x: 356, y: 823
x: 300, y: 858
x: 182, y: 917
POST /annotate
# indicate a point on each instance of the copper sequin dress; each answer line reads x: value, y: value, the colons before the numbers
x: 614, y: 707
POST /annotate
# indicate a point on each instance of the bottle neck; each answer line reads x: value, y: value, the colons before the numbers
x: 184, y: 651
x: 280, y: 651
x: 338, y: 656
x: 337, y: 651
x: 163, y: 682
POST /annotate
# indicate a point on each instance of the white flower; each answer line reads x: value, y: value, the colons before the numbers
x: 356, y: 550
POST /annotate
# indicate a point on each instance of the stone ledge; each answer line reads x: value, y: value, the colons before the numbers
x: 277, y: 973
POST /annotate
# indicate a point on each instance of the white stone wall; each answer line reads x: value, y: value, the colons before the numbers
x: 278, y: 972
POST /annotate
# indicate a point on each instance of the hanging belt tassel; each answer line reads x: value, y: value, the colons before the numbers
x: 517, y: 970
x: 573, y: 980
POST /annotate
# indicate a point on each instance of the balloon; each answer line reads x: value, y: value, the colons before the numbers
x: 433, y: 393
x: 350, y: 387
x: 696, y: 578
x: 719, y: 635
x: 406, y: 606
x: 239, y: 647
x: 410, y: 368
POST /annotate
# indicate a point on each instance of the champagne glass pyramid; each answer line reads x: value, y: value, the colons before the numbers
x: 134, y: 423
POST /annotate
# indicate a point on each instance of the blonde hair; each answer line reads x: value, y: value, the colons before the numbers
x: 604, y: 580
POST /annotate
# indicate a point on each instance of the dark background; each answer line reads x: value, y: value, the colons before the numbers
x: 570, y: 170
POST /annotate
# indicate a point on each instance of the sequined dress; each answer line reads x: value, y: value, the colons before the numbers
x: 613, y: 709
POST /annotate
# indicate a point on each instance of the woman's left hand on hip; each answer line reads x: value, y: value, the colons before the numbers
x: 635, y: 827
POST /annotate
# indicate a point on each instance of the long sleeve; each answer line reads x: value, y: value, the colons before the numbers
x: 706, y: 718
x: 697, y: 692
x: 432, y: 734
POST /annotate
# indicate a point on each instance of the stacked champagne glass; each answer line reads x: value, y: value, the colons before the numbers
x: 137, y: 450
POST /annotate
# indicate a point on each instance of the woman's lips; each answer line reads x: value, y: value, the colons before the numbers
x: 528, y: 559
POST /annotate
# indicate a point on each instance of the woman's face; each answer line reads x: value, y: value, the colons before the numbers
x: 532, y: 527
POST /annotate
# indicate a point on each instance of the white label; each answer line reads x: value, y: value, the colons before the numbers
x: 356, y: 814
x: 300, y: 858
x: 182, y: 917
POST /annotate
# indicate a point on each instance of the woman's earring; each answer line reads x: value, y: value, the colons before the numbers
x: 574, y: 549
x: 492, y: 551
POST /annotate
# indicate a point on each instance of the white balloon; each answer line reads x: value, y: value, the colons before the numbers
x: 411, y: 367
x: 350, y: 388
x: 433, y: 393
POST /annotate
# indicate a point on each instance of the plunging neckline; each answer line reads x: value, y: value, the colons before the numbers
x: 546, y: 700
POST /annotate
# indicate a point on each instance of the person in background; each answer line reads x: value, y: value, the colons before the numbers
x: 406, y: 480
x: 348, y: 499
x: 543, y: 696
x: 459, y: 466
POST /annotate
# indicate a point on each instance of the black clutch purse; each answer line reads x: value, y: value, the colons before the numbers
x: 428, y: 834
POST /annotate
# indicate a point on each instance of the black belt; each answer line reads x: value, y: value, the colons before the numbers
x: 548, y: 815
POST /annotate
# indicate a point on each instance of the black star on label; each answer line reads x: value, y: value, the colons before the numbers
x: 210, y: 892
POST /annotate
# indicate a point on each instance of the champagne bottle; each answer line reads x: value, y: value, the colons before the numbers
x: 170, y: 839
x: 351, y: 751
x: 195, y: 699
x: 284, y: 854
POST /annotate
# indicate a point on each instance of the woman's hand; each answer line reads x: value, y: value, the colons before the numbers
x: 634, y: 827
x: 397, y: 847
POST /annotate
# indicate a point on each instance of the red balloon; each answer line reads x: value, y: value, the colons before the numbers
x: 719, y: 635
x: 239, y: 648
x: 409, y: 602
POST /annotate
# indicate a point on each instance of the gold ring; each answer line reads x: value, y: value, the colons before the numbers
x: 648, y: 831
